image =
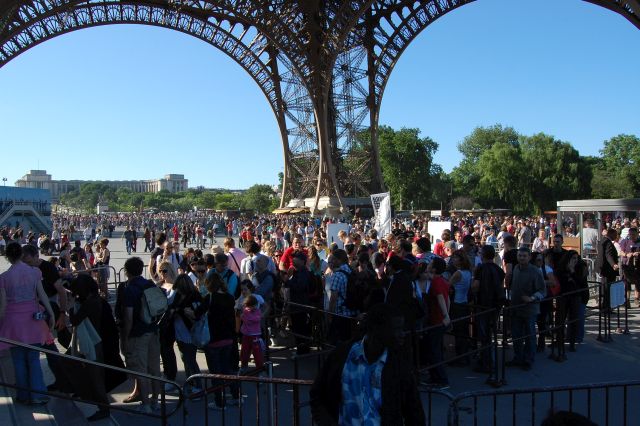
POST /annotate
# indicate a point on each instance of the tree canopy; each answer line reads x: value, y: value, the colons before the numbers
x: 499, y: 168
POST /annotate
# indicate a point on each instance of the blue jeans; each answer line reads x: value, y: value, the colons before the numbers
x: 219, y: 362
x: 521, y: 327
x: 129, y: 245
x: 188, y: 354
x: 28, y: 372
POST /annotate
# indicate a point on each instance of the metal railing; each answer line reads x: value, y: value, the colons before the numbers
x: 530, y: 405
x: 268, y: 401
x: 164, y: 414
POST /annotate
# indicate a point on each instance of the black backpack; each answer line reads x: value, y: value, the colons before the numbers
x: 356, y: 291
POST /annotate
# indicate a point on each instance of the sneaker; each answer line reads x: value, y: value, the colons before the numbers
x: 214, y: 406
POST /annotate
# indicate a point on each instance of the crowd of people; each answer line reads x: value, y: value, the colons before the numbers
x: 386, y: 301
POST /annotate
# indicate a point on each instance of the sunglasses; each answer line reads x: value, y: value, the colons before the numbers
x: 201, y: 271
x: 164, y: 271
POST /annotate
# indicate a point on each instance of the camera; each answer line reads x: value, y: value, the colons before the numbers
x: 40, y: 316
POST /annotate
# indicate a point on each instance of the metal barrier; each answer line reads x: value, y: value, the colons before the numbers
x: 114, y: 277
x: 531, y: 405
x: 266, y: 402
x: 163, y: 415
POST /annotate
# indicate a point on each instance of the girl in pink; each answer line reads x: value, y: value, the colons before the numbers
x: 21, y: 320
x: 251, y: 333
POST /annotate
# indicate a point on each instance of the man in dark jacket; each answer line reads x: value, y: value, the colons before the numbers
x: 297, y: 289
x: 607, y: 261
x: 400, y: 291
x: 368, y: 380
x: 489, y: 295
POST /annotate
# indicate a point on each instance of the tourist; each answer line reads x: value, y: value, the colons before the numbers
x: 488, y: 291
x: 251, y: 320
x: 296, y: 292
x: 23, y: 320
x: 373, y: 362
x: 460, y: 282
x: 341, y: 322
x: 572, y: 275
x: 103, y: 257
x: 167, y: 335
x: 235, y: 255
x: 140, y: 340
x: 218, y: 306
x: 527, y: 288
x: 186, y: 296
x: 438, y: 322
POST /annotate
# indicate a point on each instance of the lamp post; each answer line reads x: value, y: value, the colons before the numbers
x: 4, y: 181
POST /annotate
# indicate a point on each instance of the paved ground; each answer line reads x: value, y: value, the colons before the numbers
x: 593, y: 362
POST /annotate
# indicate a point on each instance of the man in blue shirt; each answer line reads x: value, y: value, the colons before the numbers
x: 368, y: 381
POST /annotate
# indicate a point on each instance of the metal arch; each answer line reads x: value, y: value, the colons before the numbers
x: 257, y: 56
x: 396, y: 23
x: 85, y: 16
x: 272, y: 22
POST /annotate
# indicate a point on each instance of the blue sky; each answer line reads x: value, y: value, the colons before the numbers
x: 136, y: 102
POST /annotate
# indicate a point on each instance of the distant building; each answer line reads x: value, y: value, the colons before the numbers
x: 25, y: 207
x: 40, y: 179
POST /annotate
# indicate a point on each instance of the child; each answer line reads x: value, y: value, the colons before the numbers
x: 251, y: 333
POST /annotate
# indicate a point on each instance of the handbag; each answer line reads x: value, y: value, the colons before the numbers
x: 200, y: 332
x: 200, y: 335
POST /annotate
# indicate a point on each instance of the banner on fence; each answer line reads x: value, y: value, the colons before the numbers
x: 617, y: 294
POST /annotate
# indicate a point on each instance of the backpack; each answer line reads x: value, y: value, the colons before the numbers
x: 356, y: 291
x: 226, y: 277
x: 153, y: 304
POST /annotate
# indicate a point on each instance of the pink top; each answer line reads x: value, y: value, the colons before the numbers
x: 20, y: 286
x: 19, y: 283
x: 251, y: 318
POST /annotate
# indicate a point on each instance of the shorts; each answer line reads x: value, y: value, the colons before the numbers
x: 142, y: 354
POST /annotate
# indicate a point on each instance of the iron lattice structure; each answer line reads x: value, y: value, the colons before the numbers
x: 322, y: 64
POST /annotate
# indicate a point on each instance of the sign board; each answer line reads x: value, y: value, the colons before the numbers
x: 435, y: 230
x: 332, y: 233
x: 617, y: 294
x: 382, y: 211
x: 436, y: 213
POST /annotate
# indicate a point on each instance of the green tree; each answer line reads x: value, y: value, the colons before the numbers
x: 406, y: 161
x: 555, y: 171
x: 466, y: 176
x: 620, y: 161
x: 502, y: 177
x: 259, y: 198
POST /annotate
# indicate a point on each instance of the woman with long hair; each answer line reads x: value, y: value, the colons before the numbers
x: 460, y: 283
x: 574, y: 289
x: 218, y: 306
x: 168, y: 275
x: 186, y: 296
